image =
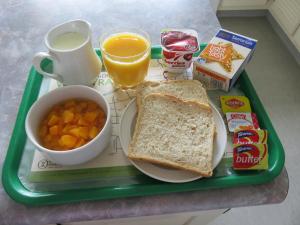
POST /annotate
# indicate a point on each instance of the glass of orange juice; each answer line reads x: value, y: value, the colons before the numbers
x: 126, y: 56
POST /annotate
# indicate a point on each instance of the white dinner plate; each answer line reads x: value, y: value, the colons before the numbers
x: 127, y: 126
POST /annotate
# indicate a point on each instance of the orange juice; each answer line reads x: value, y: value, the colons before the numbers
x: 126, y: 57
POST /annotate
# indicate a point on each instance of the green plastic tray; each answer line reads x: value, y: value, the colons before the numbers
x: 19, y: 193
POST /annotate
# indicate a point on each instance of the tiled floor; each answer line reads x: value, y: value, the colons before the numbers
x: 276, y: 77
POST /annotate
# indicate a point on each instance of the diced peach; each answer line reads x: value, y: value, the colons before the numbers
x: 78, y: 108
x: 43, y: 131
x: 48, y: 138
x: 83, y: 104
x: 90, y: 116
x: 56, y: 108
x: 54, y: 130
x: 101, y: 113
x: 82, y: 122
x: 71, y: 124
x: 68, y: 140
x: 75, y: 131
x: 93, y: 132
x: 92, y: 105
x: 82, y: 132
x: 55, y: 145
x: 80, y: 143
x: 67, y: 128
x: 68, y: 116
x: 76, y: 118
x: 101, y: 121
x: 70, y: 103
x: 53, y: 119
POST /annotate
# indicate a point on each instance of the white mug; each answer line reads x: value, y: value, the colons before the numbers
x: 74, y: 59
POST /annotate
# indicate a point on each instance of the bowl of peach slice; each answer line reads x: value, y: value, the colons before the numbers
x: 70, y: 125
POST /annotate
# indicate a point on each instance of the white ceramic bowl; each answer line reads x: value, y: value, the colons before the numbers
x: 45, y: 103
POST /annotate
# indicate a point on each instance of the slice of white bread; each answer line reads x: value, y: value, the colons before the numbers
x: 175, y: 133
x: 190, y: 90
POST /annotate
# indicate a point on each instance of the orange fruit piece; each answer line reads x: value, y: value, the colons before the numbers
x: 90, y: 116
x: 53, y: 120
x: 68, y: 116
x: 82, y: 132
x: 93, y: 132
x: 68, y: 140
x: 54, y: 130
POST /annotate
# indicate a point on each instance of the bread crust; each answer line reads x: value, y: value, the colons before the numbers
x: 164, y: 162
x: 179, y: 100
x: 146, y: 84
x: 167, y: 163
x: 140, y: 88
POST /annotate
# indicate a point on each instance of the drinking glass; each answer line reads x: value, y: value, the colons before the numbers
x: 126, y: 56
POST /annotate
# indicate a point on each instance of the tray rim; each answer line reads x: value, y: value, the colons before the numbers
x: 21, y: 194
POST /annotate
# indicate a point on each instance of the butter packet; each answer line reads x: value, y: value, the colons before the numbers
x: 250, y: 157
x: 250, y: 136
x: 235, y: 104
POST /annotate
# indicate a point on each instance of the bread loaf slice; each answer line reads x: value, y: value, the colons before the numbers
x: 190, y: 90
x: 175, y: 133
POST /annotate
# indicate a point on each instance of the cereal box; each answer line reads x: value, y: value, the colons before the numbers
x: 224, y: 58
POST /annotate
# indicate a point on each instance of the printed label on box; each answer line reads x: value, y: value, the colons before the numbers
x: 225, y: 56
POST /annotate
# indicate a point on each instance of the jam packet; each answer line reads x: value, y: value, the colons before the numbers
x: 235, y: 104
x: 241, y: 120
x: 178, y: 47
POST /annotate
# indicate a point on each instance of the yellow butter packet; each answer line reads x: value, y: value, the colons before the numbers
x: 235, y: 104
x: 250, y: 157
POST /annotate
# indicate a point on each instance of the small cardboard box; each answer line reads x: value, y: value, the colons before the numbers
x: 224, y: 58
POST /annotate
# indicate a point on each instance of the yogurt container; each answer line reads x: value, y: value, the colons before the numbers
x: 178, y: 47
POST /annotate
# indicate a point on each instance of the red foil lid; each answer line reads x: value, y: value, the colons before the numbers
x: 180, y: 40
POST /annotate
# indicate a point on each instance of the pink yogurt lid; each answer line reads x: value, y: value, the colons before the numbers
x: 183, y: 40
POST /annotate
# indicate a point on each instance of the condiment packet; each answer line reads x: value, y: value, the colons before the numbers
x: 250, y: 156
x: 241, y: 120
x: 250, y: 136
x: 235, y: 104
x: 178, y: 47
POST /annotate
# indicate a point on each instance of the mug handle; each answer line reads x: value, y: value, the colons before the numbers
x: 38, y: 58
